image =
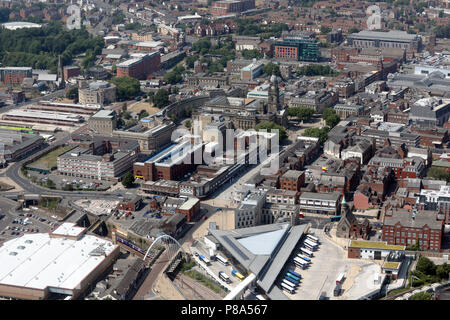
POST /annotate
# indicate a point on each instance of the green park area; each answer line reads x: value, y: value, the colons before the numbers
x: 48, y: 160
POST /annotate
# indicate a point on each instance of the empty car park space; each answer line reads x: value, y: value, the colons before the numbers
x: 327, y: 263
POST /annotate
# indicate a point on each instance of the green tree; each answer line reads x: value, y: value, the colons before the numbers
x: 271, y: 68
x: 72, y: 94
x: 353, y: 30
x: 128, y: 180
x: 127, y: 87
x: 321, y: 133
x: 413, y: 247
x: 325, y: 29
x: 301, y: 113
x: 426, y: 266
x: 142, y: 114
x: 252, y: 54
x: 443, y: 271
x: 317, y: 70
x: 51, y: 184
x: 269, y: 126
x: 4, y: 15
x: 127, y: 115
x: 332, y: 120
x: 439, y: 174
x: 161, y: 98
x: 421, y: 296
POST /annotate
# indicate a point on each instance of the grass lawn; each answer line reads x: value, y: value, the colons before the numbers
x: 197, y: 276
x: 144, y: 106
x: 48, y: 160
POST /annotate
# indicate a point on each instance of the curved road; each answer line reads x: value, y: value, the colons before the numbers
x: 13, y: 172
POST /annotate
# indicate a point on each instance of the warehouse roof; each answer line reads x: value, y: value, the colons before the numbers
x: 39, y: 261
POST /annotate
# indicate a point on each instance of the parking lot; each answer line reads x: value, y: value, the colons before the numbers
x: 215, y: 266
x: 27, y: 221
x: 327, y: 263
x: 65, y: 182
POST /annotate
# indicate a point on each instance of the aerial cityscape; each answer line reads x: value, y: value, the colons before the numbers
x: 226, y: 150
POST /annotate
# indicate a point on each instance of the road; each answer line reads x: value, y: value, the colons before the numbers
x: 13, y: 172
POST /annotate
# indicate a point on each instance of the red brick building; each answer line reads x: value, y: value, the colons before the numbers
x: 406, y: 227
x: 140, y: 68
x: 403, y: 168
x: 190, y: 208
x: 170, y: 164
x: 292, y: 180
x: 13, y: 76
x: 71, y: 71
x: 130, y: 204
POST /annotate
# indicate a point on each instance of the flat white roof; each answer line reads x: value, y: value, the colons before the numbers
x: 38, y: 261
x: 68, y: 229
x: 28, y: 113
x: 189, y: 204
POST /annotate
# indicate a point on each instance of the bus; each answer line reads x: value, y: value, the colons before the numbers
x: 300, y: 261
x: 204, y: 259
x: 290, y: 283
x: 304, y: 258
x: 335, y: 218
x: 293, y: 276
x: 237, y: 275
x: 224, y: 277
x: 312, y: 238
x: 222, y: 260
x: 300, y: 265
x: 309, y: 247
x: 307, y: 252
x: 289, y: 278
x: 294, y: 273
x: 288, y: 288
x: 340, y: 278
x: 310, y: 243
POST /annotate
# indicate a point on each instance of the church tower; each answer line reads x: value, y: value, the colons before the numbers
x: 346, y: 222
x: 62, y: 83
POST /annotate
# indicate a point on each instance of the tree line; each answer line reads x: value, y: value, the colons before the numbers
x: 39, y: 47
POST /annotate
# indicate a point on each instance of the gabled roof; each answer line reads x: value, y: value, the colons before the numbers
x: 262, y: 250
